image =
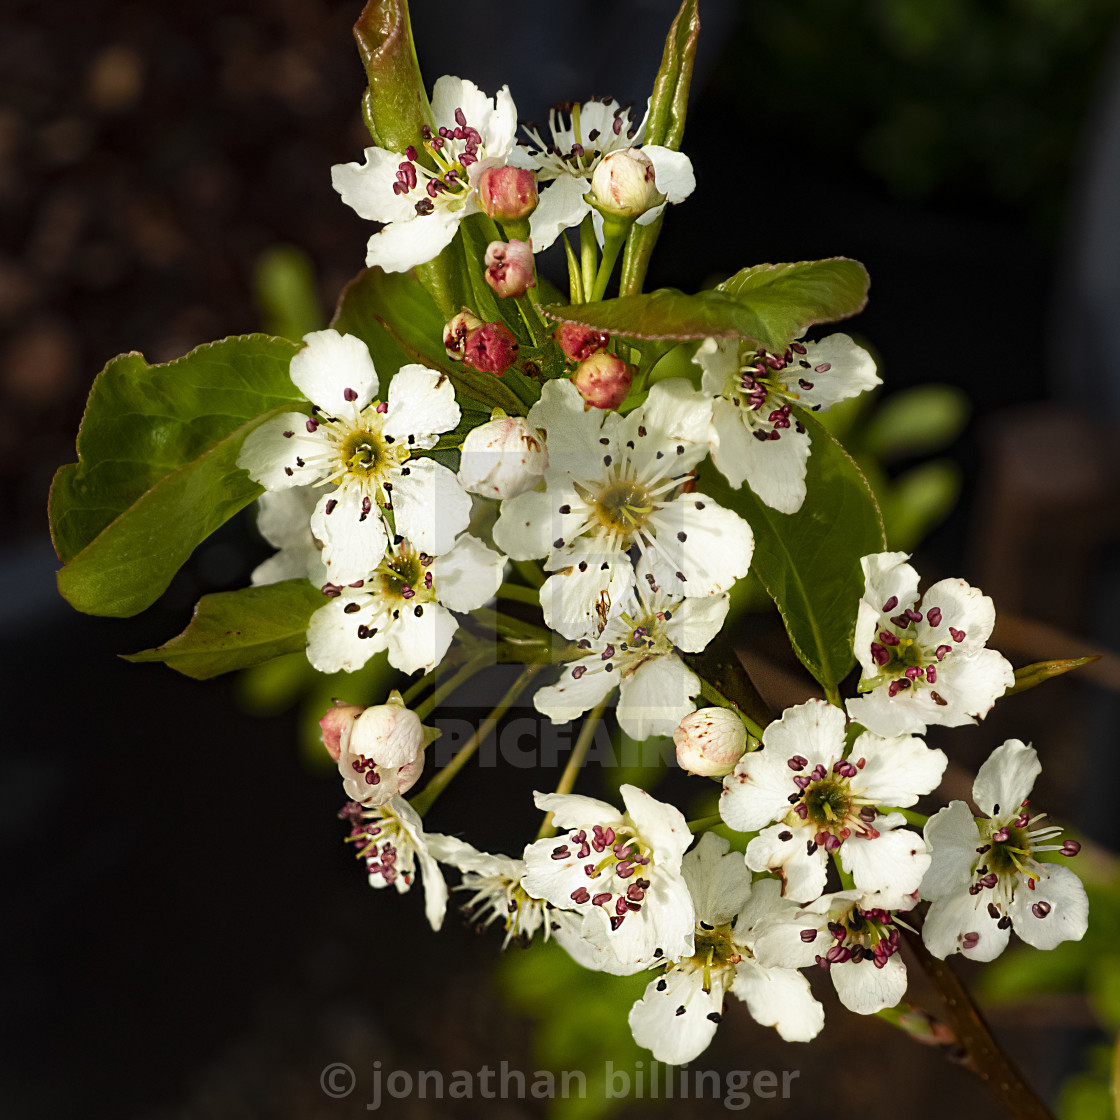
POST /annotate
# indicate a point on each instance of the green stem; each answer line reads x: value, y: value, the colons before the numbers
x: 588, y: 253
x: 710, y: 692
x: 575, y: 278
x: 424, y: 709
x: 833, y: 696
x: 919, y: 820
x: 702, y: 824
x: 442, y: 779
x: 847, y: 883
x: 575, y: 760
x: 611, y: 248
x: 506, y: 624
x: 519, y: 594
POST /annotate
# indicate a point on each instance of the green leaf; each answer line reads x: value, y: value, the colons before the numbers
x: 788, y: 298
x: 157, y: 466
x: 234, y: 629
x: 917, y: 421
x: 665, y: 126
x: 809, y: 561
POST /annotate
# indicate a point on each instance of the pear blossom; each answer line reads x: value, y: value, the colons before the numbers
x: 710, y: 741
x: 624, y: 184
x: 422, y: 203
x: 621, y: 870
x: 367, y: 449
x: 986, y: 878
x: 825, y: 799
x: 924, y: 658
x: 498, y: 895
x: 637, y: 654
x: 502, y: 458
x: 677, y: 1016
x: 391, y: 840
x: 603, y: 379
x: 613, y: 487
x: 582, y: 135
x: 284, y: 520
x: 755, y: 437
x: 404, y: 606
x: 507, y: 193
x: 852, y: 935
x: 381, y: 751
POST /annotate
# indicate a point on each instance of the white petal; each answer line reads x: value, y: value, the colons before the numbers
x: 674, y: 421
x: 663, y: 928
x: 803, y: 875
x: 1056, y: 910
x: 353, y: 543
x: 421, y: 406
x: 468, y: 576
x: 403, y: 245
x: 660, y: 824
x: 333, y: 644
x: 718, y: 359
x: 850, y: 371
x: 865, y: 989
x: 897, y: 771
x: 656, y: 697
x: 672, y: 1018
x: 430, y: 508
x: 964, y: 608
x: 574, y: 810
x: 335, y: 372
x: 757, y: 791
x: 695, y: 621
x: 572, y: 429
x: 775, y: 469
x: 969, y: 685
x: 672, y: 172
x: 525, y: 528
x: 780, y: 998
x: 814, y: 730
x: 717, y: 879
x: 571, y: 696
x: 270, y: 453
x: 590, y: 590
x: 953, y: 839
x: 889, y: 716
x: 1006, y: 779
x: 561, y: 207
x: 952, y: 918
x: 587, y: 941
x: 707, y: 544
x: 892, y: 863
x: 779, y: 943
x: 368, y: 188
x: 420, y: 636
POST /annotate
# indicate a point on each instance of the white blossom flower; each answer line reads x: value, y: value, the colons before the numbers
x: 391, y: 840
x: 613, y: 485
x: 677, y: 1016
x: 502, y: 458
x: 367, y: 448
x: 825, y: 799
x: 581, y: 136
x: 381, y: 751
x: 404, y: 606
x: 284, y: 520
x: 986, y: 878
x: 755, y: 438
x: 924, y: 659
x: 495, y: 881
x: 420, y: 205
x: 852, y: 935
x: 637, y: 654
x: 620, y: 869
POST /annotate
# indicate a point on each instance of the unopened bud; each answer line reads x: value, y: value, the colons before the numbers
x: 335, y: 722
x: 509, y: 267
x: 579, y: 342
x: 624, y: 184
x: 710, y: 741
x: 456, y: 331
x: 507, y: 193
x: 503, y: 458
x: 490, y: 348
x: 382, y: 752
x: 603, y: 380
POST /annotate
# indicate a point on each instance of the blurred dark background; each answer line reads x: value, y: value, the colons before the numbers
x: 186, y: 935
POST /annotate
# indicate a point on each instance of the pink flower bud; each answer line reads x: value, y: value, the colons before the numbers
x: 624, y: 184
x: 507, y: 193
x: 382, y: 752
x: 503, y: 458
x: 337, y: 720
x: 456, y: 331
x: 579, y: 342
x: 490, y: 348
x: 603, y: 380
x: 710, y: 741
x: 509, y: 267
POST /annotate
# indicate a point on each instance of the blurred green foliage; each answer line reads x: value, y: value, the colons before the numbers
x: 985, y: 96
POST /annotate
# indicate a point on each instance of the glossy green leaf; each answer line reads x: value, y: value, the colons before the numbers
x: 235, y: 629
x: 664, y: 125
x: 157, y: 466
x: 788, y: 298
x: 809, y: 561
